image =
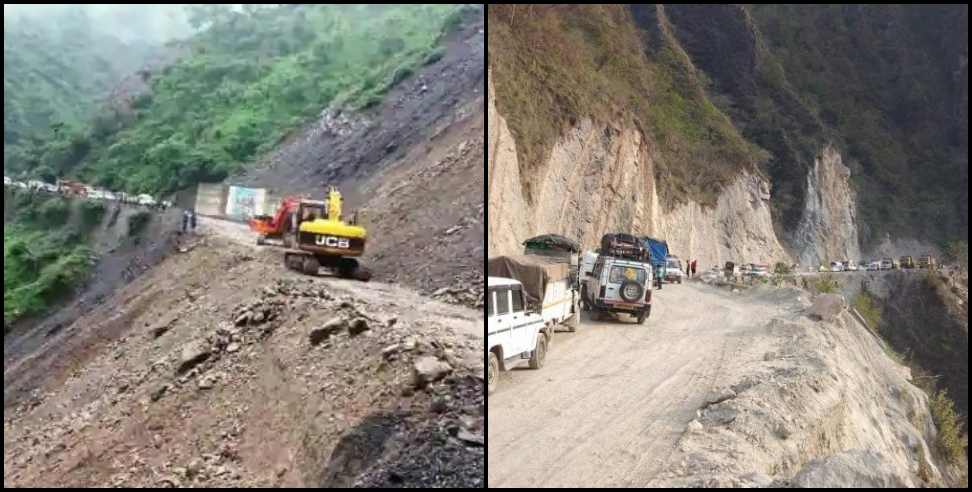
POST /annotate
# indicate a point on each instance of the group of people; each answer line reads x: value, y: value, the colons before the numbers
x: 690, y: 268
x: 188, y: 220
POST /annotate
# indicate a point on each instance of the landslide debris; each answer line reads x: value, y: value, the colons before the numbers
x: 235, y: 390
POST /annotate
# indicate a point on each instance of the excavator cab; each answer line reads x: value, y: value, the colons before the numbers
x: 318, y: 237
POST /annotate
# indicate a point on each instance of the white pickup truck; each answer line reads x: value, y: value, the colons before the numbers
x: 548, y: 285
x: 514, y: 333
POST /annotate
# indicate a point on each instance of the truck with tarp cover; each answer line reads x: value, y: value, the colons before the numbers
x: 548, y: 284
x: 659, y: 256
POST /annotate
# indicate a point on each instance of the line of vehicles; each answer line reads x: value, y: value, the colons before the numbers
x: 532, y: 294
x: 71, y: 188
x: 927, y: 262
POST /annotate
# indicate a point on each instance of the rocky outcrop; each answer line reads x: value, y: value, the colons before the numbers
x: 825, y: 407
x: 828, y: 227
x: 507, y: 222
x: 601, y: 178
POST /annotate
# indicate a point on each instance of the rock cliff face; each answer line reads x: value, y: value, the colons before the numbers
x: 599, y: 179
x: 828, y: 227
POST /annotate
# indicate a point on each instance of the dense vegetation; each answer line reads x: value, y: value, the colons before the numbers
x: 891, y: 81
x: 44, y: 256
x: 712, y: 84
x: 555, y: 65
x: 56, y: 69
x: 250, y: 76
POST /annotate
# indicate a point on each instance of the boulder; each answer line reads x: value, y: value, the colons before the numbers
x: 429, y: 369
x: 826, y: 307
x: 336, y: 325
x: 358, y: 326
x: 193, y: 354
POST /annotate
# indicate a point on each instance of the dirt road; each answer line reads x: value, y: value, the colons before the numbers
x: 613, y: 399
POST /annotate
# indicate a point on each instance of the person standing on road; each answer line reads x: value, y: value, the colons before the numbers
x: 185, y: 221
x: 693, y: 266
x: 192, y: 221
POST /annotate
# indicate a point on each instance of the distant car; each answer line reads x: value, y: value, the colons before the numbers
x: 759, y: 271
x: 836, y: 266
x: 887, y: 264
x: 850, y: 266
x: 873, y: 266
x: 673, y: 270
x: 146, y: 200
x: 906, y: 262
x: 862, y: 265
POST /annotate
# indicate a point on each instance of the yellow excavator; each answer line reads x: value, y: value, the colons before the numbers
x: 315, y: 236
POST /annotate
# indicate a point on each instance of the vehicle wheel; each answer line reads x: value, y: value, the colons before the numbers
x: 311, y: 265
x: 492, y: 378
x: 539, y: 354
x: 362, y: 274
x: 644, y: 315
x: 631, y: 291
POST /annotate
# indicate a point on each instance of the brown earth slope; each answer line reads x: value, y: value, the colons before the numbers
x: 220, y: 368
x: 414, y: 163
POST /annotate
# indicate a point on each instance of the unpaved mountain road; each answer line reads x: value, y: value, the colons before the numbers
x: 613, y: 398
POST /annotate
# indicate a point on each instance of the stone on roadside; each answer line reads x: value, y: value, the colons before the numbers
x: 193, y: 354
x: 429, y: 369
x: 332, y: 327
x: 358, y: 326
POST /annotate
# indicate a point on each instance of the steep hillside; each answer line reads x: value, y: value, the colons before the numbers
x: 412, y: 164
x: 57, y: 68
x: 249, y: 77
x: 220, y: 368
x: 854, y: 149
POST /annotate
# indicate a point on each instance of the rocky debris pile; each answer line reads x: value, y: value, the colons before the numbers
x: 466, y: 293
x: 335, y: 122
x: 447, y: 451
x: 826, y: 307
x: 184, y: 398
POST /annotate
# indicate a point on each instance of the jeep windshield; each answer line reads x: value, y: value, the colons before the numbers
x: 621, y: 273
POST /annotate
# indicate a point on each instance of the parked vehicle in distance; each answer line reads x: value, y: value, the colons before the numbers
x: 513, y: 333
x: 887, y: 264
x: 760, y: 271
x: 873, y: 266
x: 836, y: 266
x: 906, y: 262
x: 862, y: 265
x: 619, y: 285
x: 850, y: 266
x: 927, y: 261
x: 673, y: 270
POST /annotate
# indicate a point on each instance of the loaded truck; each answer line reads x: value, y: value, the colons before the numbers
x: 548, y: 285
x: 659, y: 257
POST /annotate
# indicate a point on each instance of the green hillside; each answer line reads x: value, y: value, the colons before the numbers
x: 251, y: 76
